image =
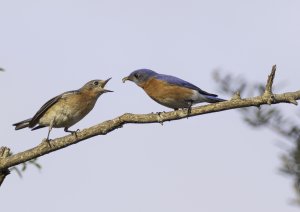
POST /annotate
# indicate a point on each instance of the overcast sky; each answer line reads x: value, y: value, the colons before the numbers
x: 207, y: 163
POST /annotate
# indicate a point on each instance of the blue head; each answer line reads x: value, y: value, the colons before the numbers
x: 140, y: 76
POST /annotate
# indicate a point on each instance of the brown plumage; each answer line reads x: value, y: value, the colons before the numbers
x: 66, y: 109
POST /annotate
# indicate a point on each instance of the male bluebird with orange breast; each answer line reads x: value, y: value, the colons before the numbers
x: 170, y: 91
x: 66, y: 109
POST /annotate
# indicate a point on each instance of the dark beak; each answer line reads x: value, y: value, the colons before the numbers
x: 106, y: 91
x: 105, y: 81
x: 125, y: 78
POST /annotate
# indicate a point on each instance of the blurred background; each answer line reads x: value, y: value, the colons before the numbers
x: 214, y: 162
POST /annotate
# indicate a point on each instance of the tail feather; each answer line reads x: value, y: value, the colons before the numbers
x: 213, y: 99
x: 22, y: 124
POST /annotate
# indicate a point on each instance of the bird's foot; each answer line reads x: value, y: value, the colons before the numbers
x: 189, y: 109
x: 159, y: 119
x: 73, y: 132
x: 188, y: 112
x: 47, y: 142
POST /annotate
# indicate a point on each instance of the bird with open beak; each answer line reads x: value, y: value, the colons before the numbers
x: 66, y: 109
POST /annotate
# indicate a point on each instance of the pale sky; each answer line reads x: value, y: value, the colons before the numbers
x: 207, y: 163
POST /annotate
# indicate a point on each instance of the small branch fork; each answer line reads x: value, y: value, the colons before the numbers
x: 268, y: 94
x: 269, y: 91
x: 269, y: 85
x: 267, y: 98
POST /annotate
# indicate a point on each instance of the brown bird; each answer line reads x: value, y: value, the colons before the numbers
x: 66, y: 109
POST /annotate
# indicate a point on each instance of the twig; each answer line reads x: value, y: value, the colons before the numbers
x: 4, y: 153
x: 268, y: 90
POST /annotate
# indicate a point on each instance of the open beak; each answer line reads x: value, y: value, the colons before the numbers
x: 106, y: 91
x: 124, y: 79
x: 103, y: 84
x: 105, y: 81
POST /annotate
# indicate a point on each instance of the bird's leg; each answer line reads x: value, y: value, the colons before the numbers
x: 49, y: 130
x: 190, y: 103
x: 66, y: 129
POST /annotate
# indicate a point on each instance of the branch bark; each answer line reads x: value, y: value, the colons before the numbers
x: 4, y: 153
x: 267, y: 98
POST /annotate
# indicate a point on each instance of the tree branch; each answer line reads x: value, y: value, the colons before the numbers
x: 4, y: 153
x: 107, y: 126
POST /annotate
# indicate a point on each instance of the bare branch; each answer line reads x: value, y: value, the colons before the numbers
x: 4, y: 153
x: 107, y: 126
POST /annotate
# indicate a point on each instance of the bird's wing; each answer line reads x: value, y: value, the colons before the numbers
x: 47, y: 105
x: 179, y: 82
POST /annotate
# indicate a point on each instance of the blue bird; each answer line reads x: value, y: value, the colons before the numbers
x: 170, y: 91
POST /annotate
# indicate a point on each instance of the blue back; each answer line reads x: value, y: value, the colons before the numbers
x: 177, y: 81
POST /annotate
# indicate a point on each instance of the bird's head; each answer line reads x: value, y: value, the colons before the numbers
x: 96, y: 86
x: 140, y: 76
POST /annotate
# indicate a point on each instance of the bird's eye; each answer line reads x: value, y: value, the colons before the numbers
x: 96, y: 83
x: 136, y: 75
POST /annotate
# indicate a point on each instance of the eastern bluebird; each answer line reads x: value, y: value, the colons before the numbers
x: 66, y: 109
x: 170, y: 91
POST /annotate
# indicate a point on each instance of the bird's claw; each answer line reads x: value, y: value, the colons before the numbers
x: 46, y: 141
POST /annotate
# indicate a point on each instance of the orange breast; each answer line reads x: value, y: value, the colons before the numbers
x: 167, y: 94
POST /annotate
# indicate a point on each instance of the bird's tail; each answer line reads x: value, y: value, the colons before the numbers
x: 213, y: 99
x: 22, y: 124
